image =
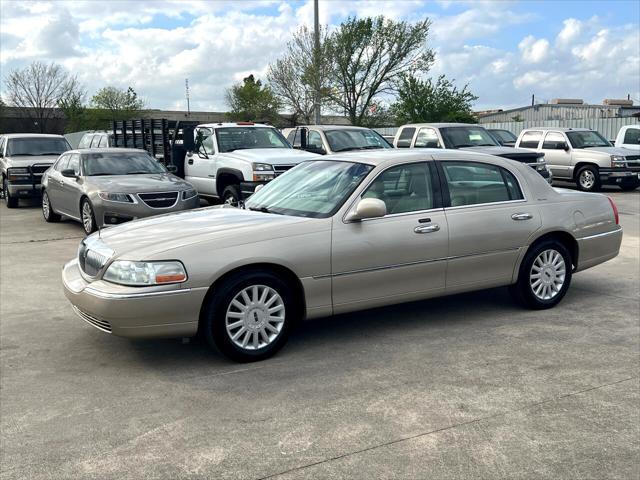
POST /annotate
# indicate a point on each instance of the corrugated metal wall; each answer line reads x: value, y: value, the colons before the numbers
x: 606, y: 126
x: 545, y: 112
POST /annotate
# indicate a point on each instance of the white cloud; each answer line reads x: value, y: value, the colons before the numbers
x: 534, y: 51
x: 569, y: 32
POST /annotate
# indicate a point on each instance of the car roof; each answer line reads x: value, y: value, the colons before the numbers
x: 32, y: 135
x: 392, y: 156
x: 107, y: 150
x: 442, y: 125
x: 234, y: 124
x: 558, y: 129
x: 332, y: 127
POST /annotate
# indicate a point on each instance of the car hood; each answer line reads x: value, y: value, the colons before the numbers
x: 225, y: 226
x: 155, y: 182
x: 273, y: 156
x: 25, y: 161
x: 606, y: 150
x: 500, y: 151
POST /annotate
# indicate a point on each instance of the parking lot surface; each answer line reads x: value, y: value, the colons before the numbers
x: 470, y: 386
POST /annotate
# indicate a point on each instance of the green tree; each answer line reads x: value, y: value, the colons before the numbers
x: 370, y: 56
x: 75, y: 112
x: 299, y: 74
x: 251, y: 100
x: 429, y: 101
x: 121, y: 104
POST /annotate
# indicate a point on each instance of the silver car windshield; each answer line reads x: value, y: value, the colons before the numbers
x: 17, y: 147
x: 315, y: 189
x: 344, y: 140
x: 119, y: 163
x: 587, y: 139
x: 461, y: 137
x: 244, y: 138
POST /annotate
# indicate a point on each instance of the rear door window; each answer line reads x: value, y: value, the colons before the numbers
x: 530, y: 139
x: 473, y: 183
x: 104, y: 141
x: 554, y: 141
x: 631, y: 136
x: 427, y: 138
x: 406, y: 135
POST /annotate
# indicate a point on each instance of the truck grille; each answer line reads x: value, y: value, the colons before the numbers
x: 159, y: 200
x: 280, y: 169
x: 91, y: 320
x: 91, y: 262
x: 633, y: 159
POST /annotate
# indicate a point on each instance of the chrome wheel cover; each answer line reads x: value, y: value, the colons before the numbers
x: 46, y: 208
x: 587, y: 179
x: 229, y: 200
x: 255, y: 317
x: 87, y: 217
x: 547, y: 274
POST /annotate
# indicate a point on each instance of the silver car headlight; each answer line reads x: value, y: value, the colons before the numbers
x: 263, y: 172
x: 142, y: 274
x: 116, y: 197
x: 187, y: 194
x: 618, y: 161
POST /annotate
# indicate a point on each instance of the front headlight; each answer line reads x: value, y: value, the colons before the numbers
x: 17, y: 173
x: 262, y: 167
x: 618, y: 161
x: 187, y: 194
x: 142, y: 274
x: 115, y: 197
x: 263, y: 172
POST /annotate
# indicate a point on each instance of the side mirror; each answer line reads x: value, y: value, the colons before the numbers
x: 69, y: 173
x: 367, y: 208
x: 565, y: 146
x: 172, y: 168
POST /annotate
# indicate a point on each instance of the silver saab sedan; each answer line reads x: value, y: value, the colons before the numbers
x: 101, y: 186
x: 340, y: 234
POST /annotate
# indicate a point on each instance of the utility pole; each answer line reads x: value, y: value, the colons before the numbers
x: 186, y: 88
x: 316, y: 61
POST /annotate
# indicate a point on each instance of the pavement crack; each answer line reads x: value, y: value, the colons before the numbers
x: 41, y: 240
x: 449, y: 427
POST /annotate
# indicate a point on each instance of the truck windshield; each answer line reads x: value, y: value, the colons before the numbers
x: 460, y: 137
x: 36, y: 146
x: 344, y: 140
x: 315, y: 189
x: 120, y: 163
x: 243, y: 138
x: 587, y: 139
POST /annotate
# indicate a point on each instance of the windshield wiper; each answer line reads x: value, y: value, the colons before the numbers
x: 346, y: 149
x: 263, y: 209
x: 137, y: 173
x: 50, y: 153
x: 22, y: 154
x: 464, y: 145
x: 486, y: 145
x: 100, y: 174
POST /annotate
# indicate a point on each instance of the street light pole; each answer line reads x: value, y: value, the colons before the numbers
x: 316, y: 61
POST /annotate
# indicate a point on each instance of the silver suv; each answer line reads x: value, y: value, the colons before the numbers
x: 583, y: 156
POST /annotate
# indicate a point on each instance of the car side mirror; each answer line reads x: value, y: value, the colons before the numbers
x: 69, y: 173
x: 367, y: 208
x: 172, y: 168
x: 565, y: 146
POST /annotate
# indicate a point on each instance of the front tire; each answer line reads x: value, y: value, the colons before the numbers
x: 545, y: 276
x: 87, y: 216
x: 588, y: 179
x: 11, y: 202
x: 47, y: 209
x: 250, y: 316
x: 231, y: 195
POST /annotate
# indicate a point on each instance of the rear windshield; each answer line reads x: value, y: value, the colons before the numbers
x: 460, y: 137
x: 36, y: 146
x: 120, y: 163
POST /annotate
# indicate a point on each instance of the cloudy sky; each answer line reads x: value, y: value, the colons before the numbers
x: 505, y: 50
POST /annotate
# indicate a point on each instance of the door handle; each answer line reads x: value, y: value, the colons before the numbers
x: 522, y: 216
x: 427, y: 228
x: 190, y: 161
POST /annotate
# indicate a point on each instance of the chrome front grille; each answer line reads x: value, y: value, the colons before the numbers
x: 280, y: 169
x: 159, y: 200
x: 91, y: 262
x: 633, y: 159
x: 91, y: 320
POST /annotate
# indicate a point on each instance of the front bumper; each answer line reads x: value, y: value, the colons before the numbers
x: 113, y: 213
x: 618, y: 176
x: 133, y: 312
x: 24, y: 190
x: 248, y: 188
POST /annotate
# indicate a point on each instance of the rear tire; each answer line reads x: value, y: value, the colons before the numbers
x: 257, y: 331
x: 545, y: 276
x: 588, y: 179
x: 47, y: 209
x: 87, y: 216
x: 231, y: 195
x: 10, y: 201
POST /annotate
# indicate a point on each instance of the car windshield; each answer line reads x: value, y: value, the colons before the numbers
x: 36, y: 146
x: 315, y: 189
x: 243, y: 138
x: 587, y: 139
x: 345, y: 140
x: 120, y: 163
x: 504, y: 135
x: 460, y: 137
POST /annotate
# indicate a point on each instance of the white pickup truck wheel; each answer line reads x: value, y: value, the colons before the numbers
x: 231, y: 195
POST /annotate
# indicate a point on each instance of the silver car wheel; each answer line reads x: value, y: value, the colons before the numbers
x: 587, y: 179
x: 255, y: 317
x: 547, y: 274
x: 87, y: 217
x: 46, y: 208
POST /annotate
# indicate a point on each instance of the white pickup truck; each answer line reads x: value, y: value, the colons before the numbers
x: 230, y: 160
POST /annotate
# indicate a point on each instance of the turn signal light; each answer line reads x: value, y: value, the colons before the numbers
x: 180, y: 277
